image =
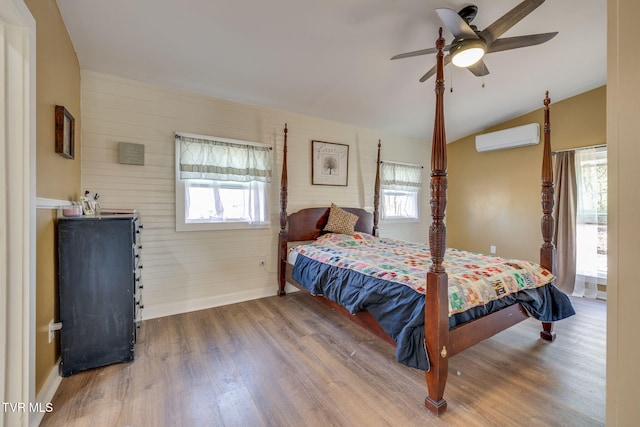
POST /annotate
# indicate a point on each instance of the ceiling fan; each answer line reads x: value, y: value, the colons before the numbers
x: 470, y: 45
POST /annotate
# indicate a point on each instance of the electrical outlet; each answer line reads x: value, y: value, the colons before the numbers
x: 51, y: 331
x: 261, y: 257
x: 52, y: 328
x: 492, y: 249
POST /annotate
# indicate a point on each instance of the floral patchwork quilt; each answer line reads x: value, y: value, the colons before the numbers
x: 474, y: 279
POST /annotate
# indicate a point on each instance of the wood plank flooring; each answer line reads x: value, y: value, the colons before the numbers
x: 291, y: 362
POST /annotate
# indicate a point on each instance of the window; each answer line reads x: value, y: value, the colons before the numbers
x: 591, y: 221
x: 224, y: 201
x: 221, y: 183
x: 400, y: 186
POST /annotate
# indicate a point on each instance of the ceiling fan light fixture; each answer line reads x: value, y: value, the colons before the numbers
x: 467, y: 52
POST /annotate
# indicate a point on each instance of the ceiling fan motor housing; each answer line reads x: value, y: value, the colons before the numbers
x: 468, y: 13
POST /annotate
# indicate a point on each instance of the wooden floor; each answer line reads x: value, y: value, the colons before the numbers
x: 292, y: 362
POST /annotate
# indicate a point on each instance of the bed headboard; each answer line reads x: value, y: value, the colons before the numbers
x: 308, y: 224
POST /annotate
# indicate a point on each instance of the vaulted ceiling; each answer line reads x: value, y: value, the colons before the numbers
x: 331, y: 58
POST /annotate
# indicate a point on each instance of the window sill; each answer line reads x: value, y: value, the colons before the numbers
x: 399, y: 220
x: 212, y: 226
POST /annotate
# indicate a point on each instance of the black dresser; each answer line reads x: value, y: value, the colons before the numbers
x: 99, y: 266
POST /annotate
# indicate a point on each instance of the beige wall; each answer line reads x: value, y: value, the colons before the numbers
x: 57, y: 83
x: 494, y: 197
x: 623, y: 293
x: 193, y: 270
x: 46, y: 295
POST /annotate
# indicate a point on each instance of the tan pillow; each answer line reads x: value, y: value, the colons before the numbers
x: 340, y: 221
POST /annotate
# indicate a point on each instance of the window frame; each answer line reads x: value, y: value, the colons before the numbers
x: 386, y: 218
x: 181, y: 193
x: 415, y: 192
x: 599, y: 158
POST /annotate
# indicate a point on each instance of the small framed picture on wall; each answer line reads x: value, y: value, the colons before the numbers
x: 329, y: 163
x: 65, y: 130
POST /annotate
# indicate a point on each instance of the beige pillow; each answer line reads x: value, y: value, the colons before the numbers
x: 340, y: 221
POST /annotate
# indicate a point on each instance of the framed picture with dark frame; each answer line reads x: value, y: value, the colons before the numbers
x: 329, y: 163
x: 64, y: 132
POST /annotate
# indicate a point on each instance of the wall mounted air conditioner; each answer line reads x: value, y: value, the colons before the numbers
x: 509, y: 138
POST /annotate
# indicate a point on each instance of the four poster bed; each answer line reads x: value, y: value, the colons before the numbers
x: 428, y: 317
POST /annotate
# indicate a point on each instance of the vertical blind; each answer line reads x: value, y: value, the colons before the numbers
x: 218, y: 160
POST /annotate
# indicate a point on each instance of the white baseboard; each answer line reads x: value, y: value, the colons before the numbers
x: 155, y: 311
x: 46, y: 394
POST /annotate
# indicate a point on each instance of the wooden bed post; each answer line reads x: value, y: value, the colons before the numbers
x: 436, y: 298
x: 548, y: 250
x: 282, y: 237
x: 376, y: 194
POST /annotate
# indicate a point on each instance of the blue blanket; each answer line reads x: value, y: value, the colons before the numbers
x: 400, y: 310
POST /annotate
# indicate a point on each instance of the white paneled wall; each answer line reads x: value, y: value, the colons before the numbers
x: 186, y: 271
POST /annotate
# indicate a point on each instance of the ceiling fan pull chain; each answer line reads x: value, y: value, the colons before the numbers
x: 486, y: 72
x: 451, y: 79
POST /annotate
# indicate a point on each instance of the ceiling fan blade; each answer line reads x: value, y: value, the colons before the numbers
x: 508, y: 20
x: 520, y: 41
x: 455, y: 24
x: 479, y: 69
x: 432, y: 71
x: 415, y: 53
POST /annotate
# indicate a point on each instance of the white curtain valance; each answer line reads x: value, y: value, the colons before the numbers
x: 400, y: 176
x: 218, y: 160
